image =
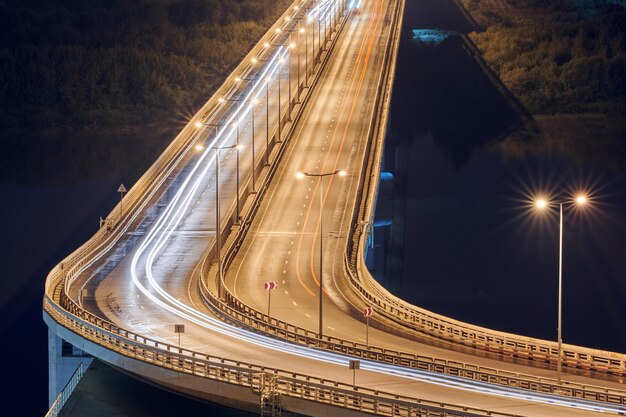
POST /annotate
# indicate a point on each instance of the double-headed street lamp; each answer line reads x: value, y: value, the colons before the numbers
x: 543, y: 204
x: 321, y: 176
x: 218, y: 233
x: 238, y: 101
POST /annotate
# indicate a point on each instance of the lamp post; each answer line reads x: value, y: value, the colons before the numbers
x: 321, y: 176
x: 267, y: 120
x: 238, y: 101
x: 218, y: 233
x: 543, y: 204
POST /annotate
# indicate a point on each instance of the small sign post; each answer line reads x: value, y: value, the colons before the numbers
x: 179, y: 328
x: 354, y: 365
x: 367, y: 312
x: 121, y: 189
x: 269, y: 286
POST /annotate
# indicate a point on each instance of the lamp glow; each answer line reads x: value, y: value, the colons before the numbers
x: 541, y: 203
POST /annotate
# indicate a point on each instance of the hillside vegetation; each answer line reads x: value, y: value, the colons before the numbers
x: 556, y: 56
x: 118, y: 62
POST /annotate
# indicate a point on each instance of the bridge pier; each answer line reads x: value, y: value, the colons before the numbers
x: 63, y: 360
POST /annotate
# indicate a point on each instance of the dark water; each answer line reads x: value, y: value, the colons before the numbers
x: 462, y: 241
x: 54, y: 188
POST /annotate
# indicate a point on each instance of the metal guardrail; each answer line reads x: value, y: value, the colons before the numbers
x: 66, y: 392
x: 290, y: 384
x: 237, y: 312
x: 413, y: 318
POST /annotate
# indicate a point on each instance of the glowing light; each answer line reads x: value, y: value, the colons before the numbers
x: 581, y: 199
x: 266, y: 45
x: 292, y: 45
x: 221, y: 100
x: 342, y: 173
x: 198, y: 124
x: 238, y: 79
x: 278, y: 30
x: 199, y: 147
x: 541, y: 203
x: 300, y: 175
x: 301, y: 30
x: 254, y: 60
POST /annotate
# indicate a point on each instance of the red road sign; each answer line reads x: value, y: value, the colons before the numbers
x: 368, y: 311
x: 270, y: 285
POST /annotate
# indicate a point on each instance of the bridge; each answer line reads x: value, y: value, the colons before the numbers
x: 274, y: 180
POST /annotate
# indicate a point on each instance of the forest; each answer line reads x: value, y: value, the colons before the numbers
x: 557, y: 56
x: 99, y: 63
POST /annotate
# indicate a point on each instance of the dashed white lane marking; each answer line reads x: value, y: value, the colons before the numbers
x: 286, y: 292
x: 308, y: 315
x: 331, y: 327
x: 294, y: 303
x: 283, y: 281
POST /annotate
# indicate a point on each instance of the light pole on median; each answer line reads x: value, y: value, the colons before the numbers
x: 543, y: 204
x: 321, y: 176
x: 218, y: 234
x: 238, y: 101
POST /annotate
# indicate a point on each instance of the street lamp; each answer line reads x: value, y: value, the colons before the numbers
x: 218, y: 233
x: 543, y: 204
x: 238, y: 101
x: 321, y: 176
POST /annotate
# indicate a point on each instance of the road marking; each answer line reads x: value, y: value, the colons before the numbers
x: 331, y: 327
x: 294, y: 303
x: 308, y: 315
x: 286, y: 292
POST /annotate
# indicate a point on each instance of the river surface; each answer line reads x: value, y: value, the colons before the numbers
x: 460, y: 242
x: 54, y: 187
x: 455, y: 233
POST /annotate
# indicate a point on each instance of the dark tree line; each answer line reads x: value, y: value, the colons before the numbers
x: 564, y: 59
x: 111, y: 62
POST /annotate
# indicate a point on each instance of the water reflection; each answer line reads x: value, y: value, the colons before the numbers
x: 459, y: 240
x: 73, y: 156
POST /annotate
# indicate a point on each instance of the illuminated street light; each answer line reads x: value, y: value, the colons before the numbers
x: 300, y: 175
x: 236, y: 125
x: 543, y: 204
x: 217, y: 150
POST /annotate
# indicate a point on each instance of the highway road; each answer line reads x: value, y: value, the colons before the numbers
x: 151, y: 282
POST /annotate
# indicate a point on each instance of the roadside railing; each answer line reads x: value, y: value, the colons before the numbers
x: 238, y: 313
x: 411, y: 318
x: 66, y: 392
x: 289, y: 384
